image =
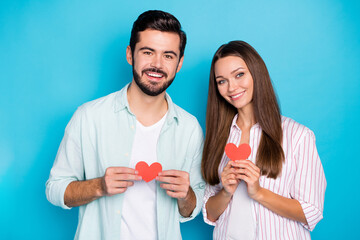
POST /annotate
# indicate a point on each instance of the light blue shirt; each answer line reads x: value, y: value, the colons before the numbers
x: 100, y: 135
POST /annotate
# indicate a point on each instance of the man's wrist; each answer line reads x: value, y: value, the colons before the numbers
x: 188, y: 196
x: 187, y: 204
x: 100, y: 191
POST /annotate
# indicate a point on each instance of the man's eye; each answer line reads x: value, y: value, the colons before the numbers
x: 168, y: 56
x: 147, y: 53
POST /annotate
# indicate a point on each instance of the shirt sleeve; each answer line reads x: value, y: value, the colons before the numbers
x: 196, y: 181
x: 68, y: 165
x: 310, y: 183
x: 209, y: 192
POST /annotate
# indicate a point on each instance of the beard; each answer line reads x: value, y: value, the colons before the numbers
x: 152, y: 89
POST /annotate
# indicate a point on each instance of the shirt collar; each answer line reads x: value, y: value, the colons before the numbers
x: 121, y: 103
x: 234, y: 125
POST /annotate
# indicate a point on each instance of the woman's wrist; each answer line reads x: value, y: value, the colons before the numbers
x: 225, y: 194
x: 259, y: 196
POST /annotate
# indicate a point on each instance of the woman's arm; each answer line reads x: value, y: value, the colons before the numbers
x: 217, y: 204
x: 285, y: 207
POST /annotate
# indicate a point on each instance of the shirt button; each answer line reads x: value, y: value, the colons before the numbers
x: 132, y: 127
x: 126, y: 154
x: 118, y: 212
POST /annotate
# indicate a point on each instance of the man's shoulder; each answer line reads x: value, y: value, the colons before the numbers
x: 184, y: 116
x: 102, y: 105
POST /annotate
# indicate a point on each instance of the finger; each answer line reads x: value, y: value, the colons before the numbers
x: 175, y: 173
x: 176, y: 194
x: 118, y: 170
x: 246, y: 165
x: 234, y: 163
x: 245, y: 178
x: 228, y: 165
x: 229, y: 176
x: 230, y: 182
x: 126, y: 177
x: 173, y: 180
x: 174, y: 188
x: 122, y: 177
x: 250, y: 163
x: 228, y: 171
x: 248, y: 172
x: 115, y: 191
x: 120, y: 184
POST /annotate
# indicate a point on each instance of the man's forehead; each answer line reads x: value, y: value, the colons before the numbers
x: 159, y: 40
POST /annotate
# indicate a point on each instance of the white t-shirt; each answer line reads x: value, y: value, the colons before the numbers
x: 138, y: 218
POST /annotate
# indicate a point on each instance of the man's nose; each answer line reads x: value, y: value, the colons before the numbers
x: 156, y: 61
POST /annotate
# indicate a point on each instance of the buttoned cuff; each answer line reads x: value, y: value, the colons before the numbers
x: 312, y: 214
x: 55, y: 192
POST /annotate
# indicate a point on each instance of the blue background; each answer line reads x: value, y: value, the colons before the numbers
x: 57, y: 54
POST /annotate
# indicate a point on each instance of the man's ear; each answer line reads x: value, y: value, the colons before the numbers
x: 129, y: 57
x: 180, y: 64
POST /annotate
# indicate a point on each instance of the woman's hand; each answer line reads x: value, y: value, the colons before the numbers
x: 228, y: 179
x: 246, y: 170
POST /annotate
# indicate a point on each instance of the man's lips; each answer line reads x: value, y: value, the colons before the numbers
x: 154, y: 73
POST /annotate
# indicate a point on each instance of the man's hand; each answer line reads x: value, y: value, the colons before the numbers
x: 175, y: 182
x: 177, y: 185
x: 117, y: 179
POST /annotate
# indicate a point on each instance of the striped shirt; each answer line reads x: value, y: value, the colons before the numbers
x: 302, y: 178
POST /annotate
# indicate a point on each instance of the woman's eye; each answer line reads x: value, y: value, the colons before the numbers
x: 239, y: 75
x: 220, y: 82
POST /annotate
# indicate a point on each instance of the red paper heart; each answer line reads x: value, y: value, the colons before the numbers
x: 237, y: 153
x: 148, y: 173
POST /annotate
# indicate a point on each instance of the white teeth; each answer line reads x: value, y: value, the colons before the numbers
x: 154, y: 75
x: 238, y: 95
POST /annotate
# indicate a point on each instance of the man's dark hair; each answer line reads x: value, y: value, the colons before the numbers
x: 157, y: 20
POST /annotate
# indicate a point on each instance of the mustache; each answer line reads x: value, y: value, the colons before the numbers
x: 154, y: 70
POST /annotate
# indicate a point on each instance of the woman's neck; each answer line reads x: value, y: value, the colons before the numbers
x: 246, y: 118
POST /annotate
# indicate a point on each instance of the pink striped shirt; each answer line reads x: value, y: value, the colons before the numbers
x: 302, y: 178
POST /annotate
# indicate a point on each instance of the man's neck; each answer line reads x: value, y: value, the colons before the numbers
x: 147, y: 109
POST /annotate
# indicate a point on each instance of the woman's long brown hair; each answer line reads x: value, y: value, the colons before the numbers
x: 219, y: 116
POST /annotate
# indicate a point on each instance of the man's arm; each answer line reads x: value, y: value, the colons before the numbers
x: 115, y: 181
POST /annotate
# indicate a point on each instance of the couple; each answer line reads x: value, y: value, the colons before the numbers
x: 276, y: 193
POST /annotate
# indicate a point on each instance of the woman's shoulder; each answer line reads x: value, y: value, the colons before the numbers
x: 294, y: 131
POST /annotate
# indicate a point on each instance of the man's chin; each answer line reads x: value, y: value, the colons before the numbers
x: 152, y: 90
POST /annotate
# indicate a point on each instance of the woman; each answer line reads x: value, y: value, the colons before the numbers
x: 278, y: 192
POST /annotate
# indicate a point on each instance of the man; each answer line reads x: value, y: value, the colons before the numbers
x: 107, y: 137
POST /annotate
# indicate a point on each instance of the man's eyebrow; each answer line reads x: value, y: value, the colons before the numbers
x: 172, y: 52
x: 147, y: 48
